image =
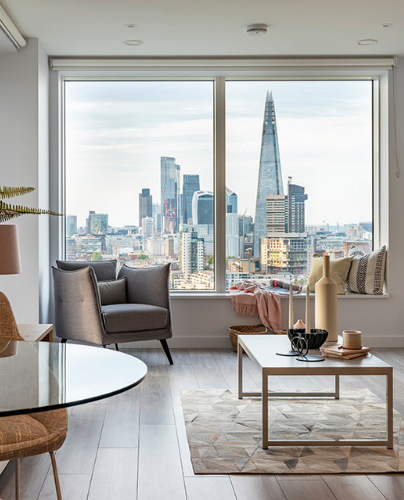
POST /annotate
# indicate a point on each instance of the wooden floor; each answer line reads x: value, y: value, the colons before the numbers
x: 133, y: 446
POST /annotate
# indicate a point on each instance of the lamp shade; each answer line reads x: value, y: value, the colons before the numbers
x: 9, y: 250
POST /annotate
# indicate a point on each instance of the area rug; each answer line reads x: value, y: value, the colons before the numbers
x: 224, y: 434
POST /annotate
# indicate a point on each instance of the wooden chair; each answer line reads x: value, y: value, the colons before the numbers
x: 27, y: 435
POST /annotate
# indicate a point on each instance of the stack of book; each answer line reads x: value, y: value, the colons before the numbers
x: 336, y: 351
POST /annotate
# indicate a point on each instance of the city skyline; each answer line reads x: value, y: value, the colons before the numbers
x: 98, y: 140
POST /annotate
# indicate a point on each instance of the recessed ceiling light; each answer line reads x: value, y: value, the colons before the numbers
x: 133, y: 43
x: 386, y: 25
x: 257, y: 29
x: 131, y: 25
x: 367, y: 41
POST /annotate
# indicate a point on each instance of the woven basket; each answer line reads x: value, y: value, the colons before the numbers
x: 245, y: 330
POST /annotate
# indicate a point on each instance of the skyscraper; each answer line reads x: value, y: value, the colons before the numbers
x: 71, y: 225
x: 98, y: 223
x: 170, y: 194
x: 270, y: 173
x: 295, y: 200
x: 189, y: 186
x: 145, y: 205
x: 203, y: 208
x: 231, y: 201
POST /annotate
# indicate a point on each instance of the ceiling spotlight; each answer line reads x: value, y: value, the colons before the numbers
x: 131, y: 25
x: 257, y: 29
x: 386, y: 25
x: 367, y: 41
x: 133, y: 43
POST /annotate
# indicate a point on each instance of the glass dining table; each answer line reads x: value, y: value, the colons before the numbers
x: 41, y: 376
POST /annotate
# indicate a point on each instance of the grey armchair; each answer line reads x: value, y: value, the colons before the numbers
x: 136, y: 306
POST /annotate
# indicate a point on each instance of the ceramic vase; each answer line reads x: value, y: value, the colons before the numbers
x: 326, y: 305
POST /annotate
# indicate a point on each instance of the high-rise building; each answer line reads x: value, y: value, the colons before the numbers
x: 156, y: 214
x: 295, y: 200
x: 276, y: 214
x: 71, y: 225
x: 191, y: 253
x: 145, y: 205
x: 270, y: 173
x: 189, y: 187
x: 170, y: 194
x: 203, y: 210
x: 231, y: 201
x: 147, y: 227
x: 284, y: 254
x: 233, y: 239
x: 98, y: 223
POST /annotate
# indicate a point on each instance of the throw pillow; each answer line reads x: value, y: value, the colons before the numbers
x: 113, y: 292
x: 339, y: 269
x: 367, y: 271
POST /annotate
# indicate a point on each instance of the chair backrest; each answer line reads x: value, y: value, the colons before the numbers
x: 8, y: 325
x: 78, y: 305
x: 104, y: 270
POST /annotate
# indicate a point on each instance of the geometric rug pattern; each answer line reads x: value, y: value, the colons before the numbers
x: 224, y: 434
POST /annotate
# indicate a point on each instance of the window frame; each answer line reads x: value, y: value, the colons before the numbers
x: 231, y: 71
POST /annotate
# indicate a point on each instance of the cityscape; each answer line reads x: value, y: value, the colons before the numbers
x: 179, y: 227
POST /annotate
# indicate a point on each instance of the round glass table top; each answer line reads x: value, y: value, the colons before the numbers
x: 40, y: 376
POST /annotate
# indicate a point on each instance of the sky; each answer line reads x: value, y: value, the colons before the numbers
x: 116, y: 133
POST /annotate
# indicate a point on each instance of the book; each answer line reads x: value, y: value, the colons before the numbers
x: 346, y: 356
x: 339, y: 351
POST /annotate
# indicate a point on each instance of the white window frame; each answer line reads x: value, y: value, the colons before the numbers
x: 219, y: 71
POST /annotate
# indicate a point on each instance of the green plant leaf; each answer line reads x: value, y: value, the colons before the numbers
x: 10, y: 192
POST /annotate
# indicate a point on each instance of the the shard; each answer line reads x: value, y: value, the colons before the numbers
x: 270, y: 173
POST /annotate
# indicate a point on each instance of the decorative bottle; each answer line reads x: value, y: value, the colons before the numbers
x: 326, y: 304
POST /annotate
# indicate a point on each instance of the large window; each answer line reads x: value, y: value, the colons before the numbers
x: 143, y: 172
x: 298, y: 174
x: 139, y: 176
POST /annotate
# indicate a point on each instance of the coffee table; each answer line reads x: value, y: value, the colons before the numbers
x: 261, y: 349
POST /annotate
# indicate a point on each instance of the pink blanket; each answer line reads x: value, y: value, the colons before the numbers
x: 250, y: 298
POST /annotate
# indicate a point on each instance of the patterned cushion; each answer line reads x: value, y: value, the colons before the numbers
x: 367, y: 271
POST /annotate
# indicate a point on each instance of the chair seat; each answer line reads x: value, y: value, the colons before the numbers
x: 28, y: 435
x: 120, y: 318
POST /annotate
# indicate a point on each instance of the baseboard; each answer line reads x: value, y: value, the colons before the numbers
x: 223, y: 342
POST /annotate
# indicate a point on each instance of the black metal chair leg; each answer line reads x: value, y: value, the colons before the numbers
x: 104, y: 346
x: 63, y: 341
x: 167, y: 350
x: 116, y: 347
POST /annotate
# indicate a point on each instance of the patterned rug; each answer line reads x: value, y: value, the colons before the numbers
x: 224, y: 434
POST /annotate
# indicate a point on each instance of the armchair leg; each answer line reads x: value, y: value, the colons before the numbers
x: 63, y: 341
x: 167, y: 350
x: 116, y: 347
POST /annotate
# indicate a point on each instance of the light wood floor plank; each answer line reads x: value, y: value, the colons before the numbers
x: 256, y: 487
x: 72, y: 486
x: 226, y: 360
x: 349, y: 487
x: 209, y: 487
x: 155, y: 357
x: 33, y: 471
x: 155, y: 401
x: 306, y: 490
x: 185, y: 453
x: 121, y: 423
x: 206, y: 370
x: 390, y: 485
x: 115, y: 474
x: 160, y: 471
x: 181, y: 377
x: 77, y: 455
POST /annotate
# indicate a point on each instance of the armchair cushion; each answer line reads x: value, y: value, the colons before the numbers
x: 112, y: 292
x: 120, y: 318
x: 104, y: 271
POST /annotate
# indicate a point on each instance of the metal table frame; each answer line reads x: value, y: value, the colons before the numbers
x: 386, y: 371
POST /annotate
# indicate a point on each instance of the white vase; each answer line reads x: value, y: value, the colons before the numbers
x: 326, y: 303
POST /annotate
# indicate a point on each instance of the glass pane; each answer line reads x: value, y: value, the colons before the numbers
x: 139, y: 176
x: 298, y: 175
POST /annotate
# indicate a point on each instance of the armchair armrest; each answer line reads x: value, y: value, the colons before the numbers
x: 78, y: 306
x: 147, y: 285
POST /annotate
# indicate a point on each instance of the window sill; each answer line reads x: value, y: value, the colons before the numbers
x: 226, y: 295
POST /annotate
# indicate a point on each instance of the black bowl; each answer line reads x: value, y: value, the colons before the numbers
x: 315, y: 338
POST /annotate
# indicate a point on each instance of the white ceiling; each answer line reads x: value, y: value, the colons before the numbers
x: 210, y: 27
